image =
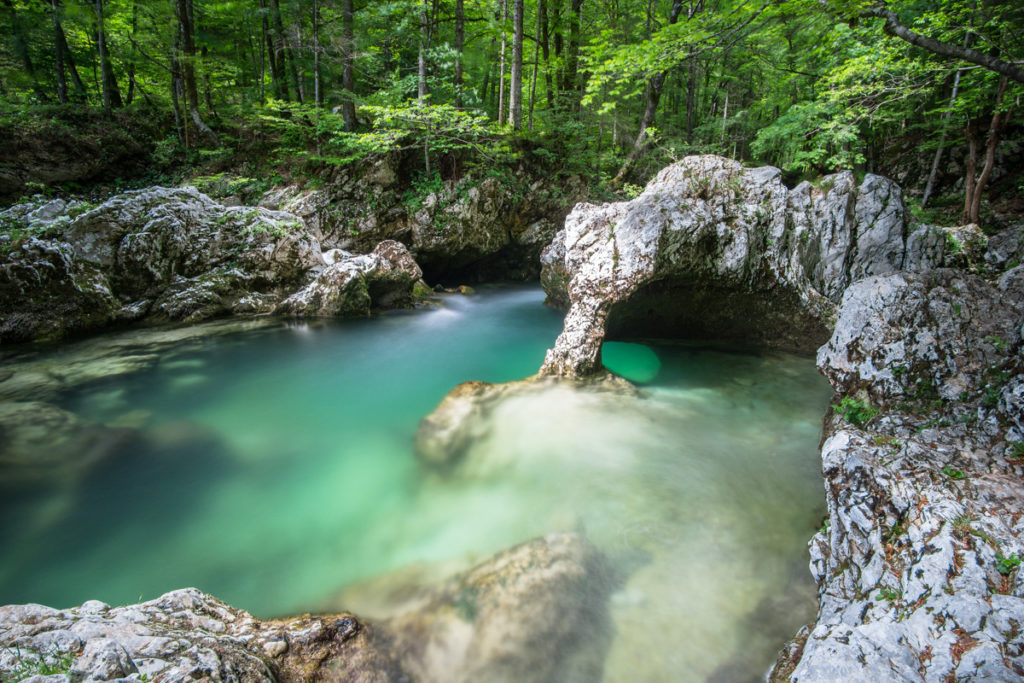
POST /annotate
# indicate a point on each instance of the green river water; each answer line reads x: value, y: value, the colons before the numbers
x: 287, y: 479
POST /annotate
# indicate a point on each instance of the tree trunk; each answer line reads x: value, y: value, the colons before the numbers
x: 188, y: 70
x: 279, y: 62
x: 131, y: 62
x: 654, y: 88
x: 421, y: 80
x: 933, y: 173
x: 973, y: 205
x: 573, y: 59
x: 542, y: 18
x: 515, y: 96
x: 69, y: 60
x: 930, y: 185
x: 556, y: 17
x: 348, y: 78
x: 501, y: 67
x: 318, y: 100
x: 460, y: 40
x: 111, y: 95
x: 536, y: 62
x: 58, y: 54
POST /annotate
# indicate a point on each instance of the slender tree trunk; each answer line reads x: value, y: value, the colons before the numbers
x: 348, y: 79
x: 131, y: 61
x: 460, y: 40
x: 934, y: 171
x: 111, y: 94
x: 21, y: 48
x: 973, y: 209
x: 421, y: 81
x: 180, y: 124
x: 501, y: 67
x: 556, y: 17
x: 298, y: 80
x: 317, y: 95
x: 654, y: 88
x: 263, y: 57
x: 188, y: 70
x: 58, y: 53
x: 542, y: 18
x: 279, y: 61
x: 515, y: 96
x: 536, y: 62
x: 69, y: 60
x: 573, y: 58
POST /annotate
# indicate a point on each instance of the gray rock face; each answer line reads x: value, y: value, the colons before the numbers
x: 175, y: 254
x: 917, y: 566
x: 505, y: 620
x: 711, y: 248
x: 490, y: 227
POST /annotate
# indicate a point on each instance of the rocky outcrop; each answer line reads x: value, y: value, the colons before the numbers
x: 175, y: 254
x: 713, y: 249
x: 918, y: 565
x: 489, y: 226
x: 535, y: 612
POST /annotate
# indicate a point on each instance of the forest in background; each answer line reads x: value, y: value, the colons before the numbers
x: 925, y: 91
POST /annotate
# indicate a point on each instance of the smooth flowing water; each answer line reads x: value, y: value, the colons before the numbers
x: 277, y: 469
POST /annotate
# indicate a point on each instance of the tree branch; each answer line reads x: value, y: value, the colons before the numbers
x: 894, y: 28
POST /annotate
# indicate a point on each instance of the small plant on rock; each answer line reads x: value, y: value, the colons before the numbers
x: 856, y: 412
x: 888, y: 594
x: 1007, y: 565
x: 953, y: 473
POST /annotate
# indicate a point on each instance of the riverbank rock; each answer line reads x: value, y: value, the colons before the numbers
x: 175, y: 254
x: 918, y: 566
x: 712, y: 249
x: 184, y: 636
x: 535, y: 612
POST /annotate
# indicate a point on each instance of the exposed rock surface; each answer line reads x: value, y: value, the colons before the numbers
x: 535, y: 612
x: 175, y: 254
x: 482, y: 226
x: 713, y: 249
x: 918, y: 567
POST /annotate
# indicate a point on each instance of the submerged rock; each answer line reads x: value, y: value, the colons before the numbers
x: 713, y: 249
x: 462, y: 418
x: 175, y: 254
x: 535, y: 612
x: 40, y: 442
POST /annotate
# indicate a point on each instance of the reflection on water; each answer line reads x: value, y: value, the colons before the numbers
x: 274, y: 468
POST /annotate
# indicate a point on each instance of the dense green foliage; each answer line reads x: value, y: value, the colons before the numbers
x: 806, y: 85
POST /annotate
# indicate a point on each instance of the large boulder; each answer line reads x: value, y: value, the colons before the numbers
x: 918, y: 566
x: 713, y: 249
